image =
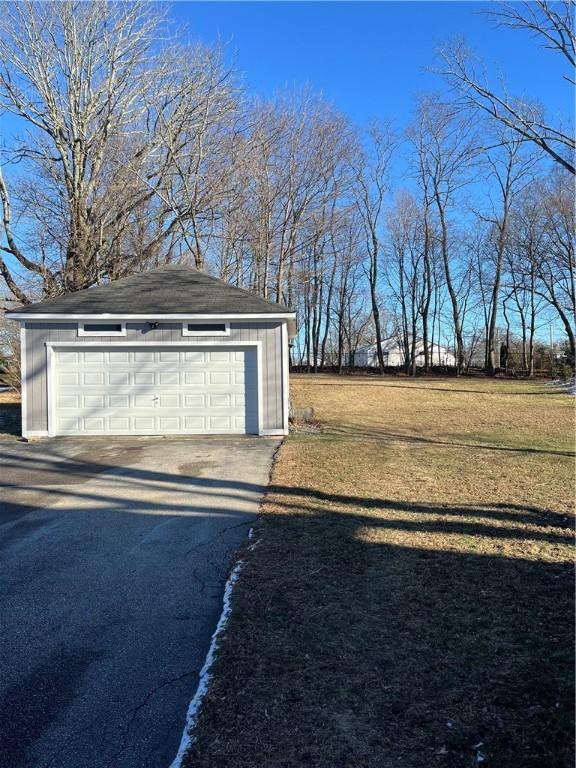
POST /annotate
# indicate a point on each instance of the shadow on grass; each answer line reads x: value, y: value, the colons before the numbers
x: 349, y: 647
x: 376, y: 433
x: 359, y: 637
x: 374, y: 382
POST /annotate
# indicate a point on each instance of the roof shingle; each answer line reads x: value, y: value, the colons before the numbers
x: 173, y: 289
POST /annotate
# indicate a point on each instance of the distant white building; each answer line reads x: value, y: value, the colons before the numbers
x: 393, y: 352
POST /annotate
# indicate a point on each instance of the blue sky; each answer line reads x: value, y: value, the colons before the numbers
x: 368, y: 58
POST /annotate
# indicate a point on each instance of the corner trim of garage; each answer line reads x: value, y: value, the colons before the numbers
x: 23, y: 382
x: 51, y: 367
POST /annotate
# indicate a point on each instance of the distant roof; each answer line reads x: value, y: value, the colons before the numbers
x: 162, y: 291
x: 393, y: 344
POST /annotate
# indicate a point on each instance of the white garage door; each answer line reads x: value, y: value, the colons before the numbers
x: 155, y: 391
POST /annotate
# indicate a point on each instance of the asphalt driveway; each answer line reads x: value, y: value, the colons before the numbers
x: 113, y: 558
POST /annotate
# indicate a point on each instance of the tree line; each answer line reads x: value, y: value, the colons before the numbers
x: 136, y: 150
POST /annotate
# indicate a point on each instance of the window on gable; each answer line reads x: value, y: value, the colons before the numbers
x: 205, y: 329
x: 102, y: 329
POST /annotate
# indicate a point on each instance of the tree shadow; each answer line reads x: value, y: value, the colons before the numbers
x: 365, y: 631
x: 377, y: 433
x: 378, y: 644
x: 373, y: 382
x: 10, y: 420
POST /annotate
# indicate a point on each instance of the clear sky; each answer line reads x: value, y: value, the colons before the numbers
x: 368, y: 58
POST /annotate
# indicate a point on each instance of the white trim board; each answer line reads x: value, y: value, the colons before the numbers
x: 31, y: 317
x: 285, y: 375
x: 23, y: 383
x: 179, y: 343
x: 51, y: 367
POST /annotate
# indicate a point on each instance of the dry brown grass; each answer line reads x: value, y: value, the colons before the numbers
x: 9, y: 397
x: 409, y: 602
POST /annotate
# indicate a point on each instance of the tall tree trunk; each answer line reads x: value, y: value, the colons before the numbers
x: 373, y: 279
x: 493, y: 361
x: 451, y: 290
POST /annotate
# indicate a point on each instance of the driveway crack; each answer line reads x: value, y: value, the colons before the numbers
x: 133, y: 713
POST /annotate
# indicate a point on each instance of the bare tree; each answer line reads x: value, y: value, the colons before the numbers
x: 552, y: 23
x: 408, y: 274
x: 372, y: 185
x: 556, y: 263
x: 542, y: 251
x: 447, y: 149
x: 509, y: 167
x: 118, y: 132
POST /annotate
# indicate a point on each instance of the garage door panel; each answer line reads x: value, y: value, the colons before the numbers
x: 118, y: 378
x: 94, y: 401
x: 220, y: 357
x: 95, y: 424
x: 169, y: 377
x: 115, y: 358
x: 194, y: 401
x: 195, y: 357
x: 118, y: 401
x: 195, y: 378
x: 156, y: 391
x: 144, y: 377
x: 93, y: 378
x: 219, y: 401
x: 143, y: 401
x: 68, y: 357
x: 195, y: 424
x: 143, y: 357
x: 145, y: 423
x: 68, y: 401
x: 119, y: 424
x: 169, y: 423
x: 67, y: 423
x: 169, y: 401
x: 169, y: 356
x: 220, y: 423
x: 93, y: 357
x: 219, y: 378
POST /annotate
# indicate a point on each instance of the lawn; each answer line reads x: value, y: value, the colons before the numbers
x: 409, y: 600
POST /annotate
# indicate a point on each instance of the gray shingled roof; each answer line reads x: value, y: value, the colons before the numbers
x: 162, y: 291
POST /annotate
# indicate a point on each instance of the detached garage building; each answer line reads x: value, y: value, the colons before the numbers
x: 170, y: 351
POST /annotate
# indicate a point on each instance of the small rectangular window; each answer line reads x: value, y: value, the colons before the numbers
x: 212, y: 327
x: 205, y: 329
x: 102, y: 329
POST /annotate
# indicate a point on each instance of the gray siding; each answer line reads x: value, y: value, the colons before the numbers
x: 38, y: 333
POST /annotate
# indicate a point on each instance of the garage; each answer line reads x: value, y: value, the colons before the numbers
x: 157, y: 390
x: 163, y: 352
